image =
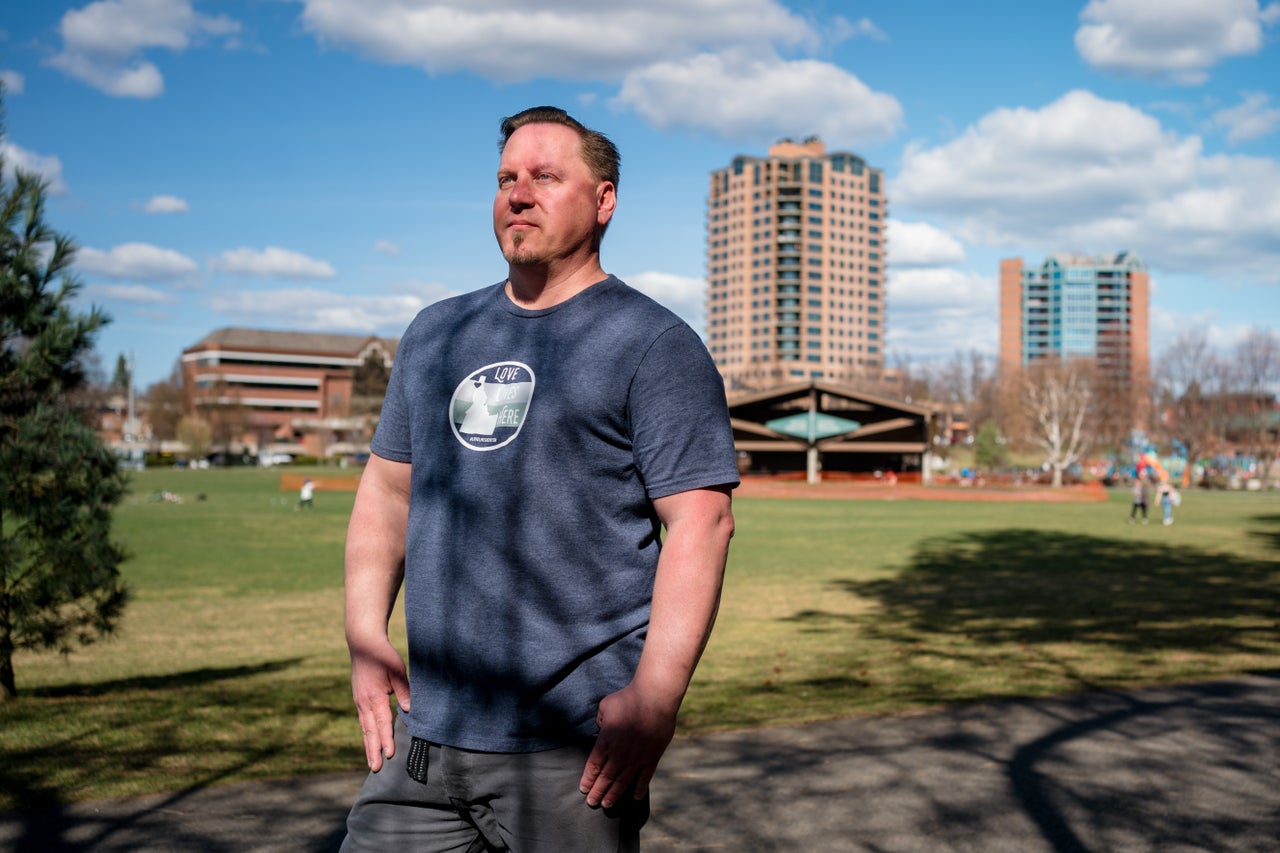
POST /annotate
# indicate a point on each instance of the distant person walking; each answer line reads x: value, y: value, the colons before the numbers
x: 1140, y: 492
x: 306, y: 495
x: 1168, y: 498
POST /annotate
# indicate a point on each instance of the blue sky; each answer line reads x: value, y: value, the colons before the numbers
x: 328, y: 165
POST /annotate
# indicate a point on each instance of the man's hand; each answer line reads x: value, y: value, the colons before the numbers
x: 378, y: 671
x: 634, y: 733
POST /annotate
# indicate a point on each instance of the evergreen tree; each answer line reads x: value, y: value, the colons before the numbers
x: 59, y: 571
x: 988, y: 447
x: 123, y: 376
x: 369, y: 384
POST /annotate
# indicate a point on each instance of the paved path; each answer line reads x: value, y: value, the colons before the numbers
x: 1184, y: 768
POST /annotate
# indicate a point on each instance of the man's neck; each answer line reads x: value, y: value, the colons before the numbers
x: 542, y: 286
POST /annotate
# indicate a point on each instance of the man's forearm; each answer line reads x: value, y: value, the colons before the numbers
x: 375, y: 549
x: 686, y: 592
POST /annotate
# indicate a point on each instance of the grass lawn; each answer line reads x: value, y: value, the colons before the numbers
x: 230, y: 662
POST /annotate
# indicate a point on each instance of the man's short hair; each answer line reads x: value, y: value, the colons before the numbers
x: 599, y: 152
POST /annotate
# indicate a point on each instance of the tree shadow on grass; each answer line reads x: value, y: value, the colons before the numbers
x: 1269, y: 536
x: 203, y: 726
x: 173, y: 681
x: 1034, y: 587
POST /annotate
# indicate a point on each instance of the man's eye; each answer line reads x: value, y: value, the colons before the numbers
x: 505, y: 181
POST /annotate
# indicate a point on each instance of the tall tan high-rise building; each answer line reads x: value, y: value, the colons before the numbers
x: 795, y: 268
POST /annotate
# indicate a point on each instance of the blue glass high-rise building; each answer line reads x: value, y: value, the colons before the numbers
x: 1074, y: 306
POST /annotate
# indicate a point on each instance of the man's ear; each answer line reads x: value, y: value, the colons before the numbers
x: 606, y: 202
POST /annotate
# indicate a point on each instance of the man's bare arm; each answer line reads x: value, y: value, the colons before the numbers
x: 374, y: 573
x: 638, y: 722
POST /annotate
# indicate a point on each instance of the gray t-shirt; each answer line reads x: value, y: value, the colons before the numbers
x: 538, y: 441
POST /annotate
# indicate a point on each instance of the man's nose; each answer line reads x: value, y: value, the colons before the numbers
x: 519, y: 195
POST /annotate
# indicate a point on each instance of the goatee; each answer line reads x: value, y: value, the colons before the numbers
x: 518, y: 257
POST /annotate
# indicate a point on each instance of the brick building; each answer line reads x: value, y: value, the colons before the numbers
x: 262, y: 390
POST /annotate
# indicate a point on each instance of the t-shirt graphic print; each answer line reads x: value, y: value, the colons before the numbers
x: 490, y: 405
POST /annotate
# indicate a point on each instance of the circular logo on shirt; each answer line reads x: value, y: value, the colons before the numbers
x: 490, y: 405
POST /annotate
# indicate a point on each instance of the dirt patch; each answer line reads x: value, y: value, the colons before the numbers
x: 334, y: 483
x: 768, y: 487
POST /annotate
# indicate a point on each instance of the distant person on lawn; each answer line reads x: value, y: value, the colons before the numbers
x: 306, y: 495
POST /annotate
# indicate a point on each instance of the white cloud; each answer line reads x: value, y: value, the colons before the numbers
x: 387, y: 247
x: 14, y: 82
x: 141, y: 80
x: 134, y: 293
x: 936, y: 312
x: 1251, y: 119
x: 515, y: 41
x: 746, y: 95
x: 165, y: 204
x: 271, y: 262
x: 921, y: 244
x: 136, y: 261
x: 684, y: 295
x: 702, y: 64
x: 320, y: 310
x: 1176, y: 40
x: 861, y: 28
x: 1093, y: 175
x: 48, y: 166
x: 103, y: 42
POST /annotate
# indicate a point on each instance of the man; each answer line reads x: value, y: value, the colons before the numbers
x: 537, y: 438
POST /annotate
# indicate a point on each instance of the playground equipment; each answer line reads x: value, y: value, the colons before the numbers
x: 1152, y: 464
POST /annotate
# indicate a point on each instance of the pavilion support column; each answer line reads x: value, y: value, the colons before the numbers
x: 811, y: 462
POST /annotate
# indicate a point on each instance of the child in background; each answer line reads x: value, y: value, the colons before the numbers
x: 1140, y: 492
x: 1168, y: 497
